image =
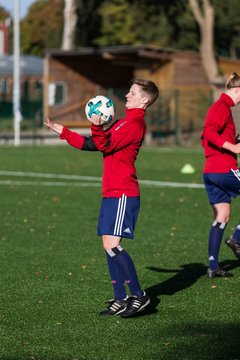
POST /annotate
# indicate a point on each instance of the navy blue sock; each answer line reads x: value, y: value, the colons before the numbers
x: 214, y: 242
x: 236, y: 234
x: 117, y: 279
x: 127, y: 268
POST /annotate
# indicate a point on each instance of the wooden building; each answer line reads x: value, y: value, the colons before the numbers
x: 71, y: 78
x: 31, y: 75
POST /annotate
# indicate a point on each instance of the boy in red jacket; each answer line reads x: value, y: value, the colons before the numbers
x: 119, y: 145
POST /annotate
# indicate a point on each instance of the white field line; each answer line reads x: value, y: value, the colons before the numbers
x: 170, y: 184
x: 48, y: 183
x: 92, y: 181
x: 49, y: 176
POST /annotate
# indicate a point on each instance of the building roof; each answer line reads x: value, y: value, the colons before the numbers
x: 29, y: 65
x: 118, y: 49
x: 127, y: 54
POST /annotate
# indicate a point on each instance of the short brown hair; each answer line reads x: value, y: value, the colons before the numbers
x: 149, y: 87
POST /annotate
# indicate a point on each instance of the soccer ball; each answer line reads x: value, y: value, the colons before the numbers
x: 100, y: 105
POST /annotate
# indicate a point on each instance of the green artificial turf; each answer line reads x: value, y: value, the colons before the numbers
x: 54, y: 279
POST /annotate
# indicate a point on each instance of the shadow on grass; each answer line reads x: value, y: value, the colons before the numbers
x: 201, y: 341
x: 183, y: 278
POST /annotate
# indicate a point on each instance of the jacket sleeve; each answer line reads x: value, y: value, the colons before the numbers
x: 78, y: 141
x: 214, y: 127
x: 119, y: 138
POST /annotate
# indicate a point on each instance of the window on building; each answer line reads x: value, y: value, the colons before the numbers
x: 4, y: 86
x: 57, y: 93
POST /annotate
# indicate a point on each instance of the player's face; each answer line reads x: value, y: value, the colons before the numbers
x: 136, y: 98
x: 238, y: 97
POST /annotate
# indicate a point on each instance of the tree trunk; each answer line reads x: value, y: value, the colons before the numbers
x: 70, y: 21
x: 204, y: 16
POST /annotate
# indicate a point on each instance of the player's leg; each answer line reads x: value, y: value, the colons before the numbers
x: 111, y: 245
x: 234, y: 240
x: 119, y: 303
x: 124, y: 263
x: 221, y: 217
x: 220, y: 199
x: 117, y: 219
x: 117, y: 279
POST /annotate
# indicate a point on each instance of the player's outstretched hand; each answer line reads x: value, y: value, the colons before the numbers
x: 55, y: 127
x: 97, y: 120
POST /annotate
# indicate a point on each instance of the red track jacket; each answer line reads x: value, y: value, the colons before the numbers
x: 219, y: 127
x: 120, y: 145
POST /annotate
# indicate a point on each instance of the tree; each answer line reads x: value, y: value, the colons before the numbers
x: 148, y: 22
x: 227, y: 28
x: 117, y: 24
x: 70, y: 21
x: 203, y: 12
x: 89, y: 22
x: 4, y: 14
x: 131, y: 22
x: 42, y: 27
x: 179, y: 24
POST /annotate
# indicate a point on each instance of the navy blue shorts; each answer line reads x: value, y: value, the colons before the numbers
x: 118, y: 216
x: 221, y: 187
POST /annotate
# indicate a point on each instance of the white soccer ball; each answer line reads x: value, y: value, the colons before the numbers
x: 100, y: 105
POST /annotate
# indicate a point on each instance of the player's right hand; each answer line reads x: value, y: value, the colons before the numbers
x: 96, y: 120
x: 55, y: 127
